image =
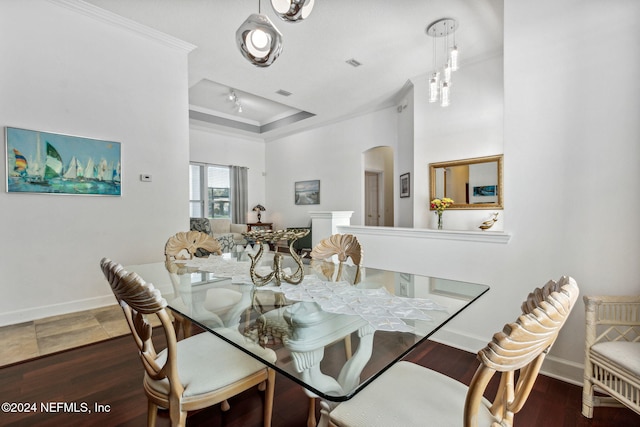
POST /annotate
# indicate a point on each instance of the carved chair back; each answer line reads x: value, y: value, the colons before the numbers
x: 138, y: 300
x: 521, y: 345
x: 343, y: 247
x: 185, y: 244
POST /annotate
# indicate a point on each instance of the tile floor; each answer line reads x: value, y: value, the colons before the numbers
x: 44, y: 336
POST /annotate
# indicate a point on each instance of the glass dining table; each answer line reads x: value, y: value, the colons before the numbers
x: 332, y: 338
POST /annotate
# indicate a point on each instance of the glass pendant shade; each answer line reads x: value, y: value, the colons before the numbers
x: 259, y: 40
x: 445, y: 95
x: 446, y: 72
x: 292, y: 10
x: 433, y: 87
x: 453, y: 58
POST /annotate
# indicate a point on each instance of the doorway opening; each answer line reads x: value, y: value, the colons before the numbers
x: 378, y: 187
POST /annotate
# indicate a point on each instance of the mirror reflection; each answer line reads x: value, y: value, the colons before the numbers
x: 471, y: 183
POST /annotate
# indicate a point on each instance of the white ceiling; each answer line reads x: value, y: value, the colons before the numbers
x: 386, y: 36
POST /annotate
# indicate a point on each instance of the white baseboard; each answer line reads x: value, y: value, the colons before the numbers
x: 554, y: 367
x: 154, y: 273
x: 563, y: 370
x: 34, y: 313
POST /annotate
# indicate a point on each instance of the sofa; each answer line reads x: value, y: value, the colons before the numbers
x: 302, y: 245
x: 229, y: 235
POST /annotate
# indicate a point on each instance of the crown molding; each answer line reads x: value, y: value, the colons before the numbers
x: 121, y: 22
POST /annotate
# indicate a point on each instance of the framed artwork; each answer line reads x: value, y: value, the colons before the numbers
x: 404, y: 185
x: 307, y: 192
x: 42, y: 162
x: 485, y: 190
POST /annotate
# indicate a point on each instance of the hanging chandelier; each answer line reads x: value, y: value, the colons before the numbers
x: 292, y: 10
x: 440, y: 78
x: 259, y: 40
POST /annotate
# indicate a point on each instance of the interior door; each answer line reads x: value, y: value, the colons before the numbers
x: 371, y: 198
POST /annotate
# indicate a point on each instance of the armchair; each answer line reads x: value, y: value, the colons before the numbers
x: 612, y: 353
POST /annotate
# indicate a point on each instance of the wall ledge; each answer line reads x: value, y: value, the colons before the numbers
x: 423, y: 233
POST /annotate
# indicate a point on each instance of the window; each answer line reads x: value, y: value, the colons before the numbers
x: 209, y: 191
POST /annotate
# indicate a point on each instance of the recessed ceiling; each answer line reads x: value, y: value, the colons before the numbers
x: 222, y: 105
x: 387, y: 37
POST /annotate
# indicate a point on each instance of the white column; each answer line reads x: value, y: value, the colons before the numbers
x: 325, y: 223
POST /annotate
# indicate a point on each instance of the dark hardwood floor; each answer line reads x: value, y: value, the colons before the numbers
x: 110, y: 374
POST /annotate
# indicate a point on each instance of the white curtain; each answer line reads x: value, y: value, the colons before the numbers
x: 239, y: 198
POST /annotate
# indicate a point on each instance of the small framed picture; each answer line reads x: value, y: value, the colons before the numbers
x: 404, y: 185
x: 307, y: 192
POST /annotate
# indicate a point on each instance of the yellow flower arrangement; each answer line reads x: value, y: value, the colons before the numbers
x: 439, y: 206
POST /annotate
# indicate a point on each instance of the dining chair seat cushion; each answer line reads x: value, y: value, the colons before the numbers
x: 206, y: 363
x: 624, y: 354
x: 408, y: 395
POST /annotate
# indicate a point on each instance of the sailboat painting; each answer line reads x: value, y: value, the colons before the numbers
x: 42, y: 162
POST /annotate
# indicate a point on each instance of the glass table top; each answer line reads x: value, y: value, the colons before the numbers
x: 310, y: 326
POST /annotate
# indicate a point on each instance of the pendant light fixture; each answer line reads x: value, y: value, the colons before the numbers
x: 259, y: 40
x: 292, y: 10
x: 434, y: 84
x: 440, y: 80
x: 453, y: 54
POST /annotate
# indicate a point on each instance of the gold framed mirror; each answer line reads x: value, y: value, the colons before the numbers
x: 471, y: 183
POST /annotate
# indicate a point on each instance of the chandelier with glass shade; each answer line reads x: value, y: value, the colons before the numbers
x: 440, y: 79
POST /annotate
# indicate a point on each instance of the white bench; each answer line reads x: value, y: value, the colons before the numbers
x: 612, y: 354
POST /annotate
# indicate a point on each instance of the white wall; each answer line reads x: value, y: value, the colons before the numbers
x: 404, y: 159
x: 472, y: 126
x: 334, y: 155
x: 216, y: 148
x: 65, y: 72
x: 570, y: 169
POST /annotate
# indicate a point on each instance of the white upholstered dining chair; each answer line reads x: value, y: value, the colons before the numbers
x: 412, y: 395
x: 185, y: 245
x: 194, y: 373
x: 341, y: 248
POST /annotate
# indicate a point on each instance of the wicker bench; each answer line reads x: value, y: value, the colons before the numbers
x: 612, y: 354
